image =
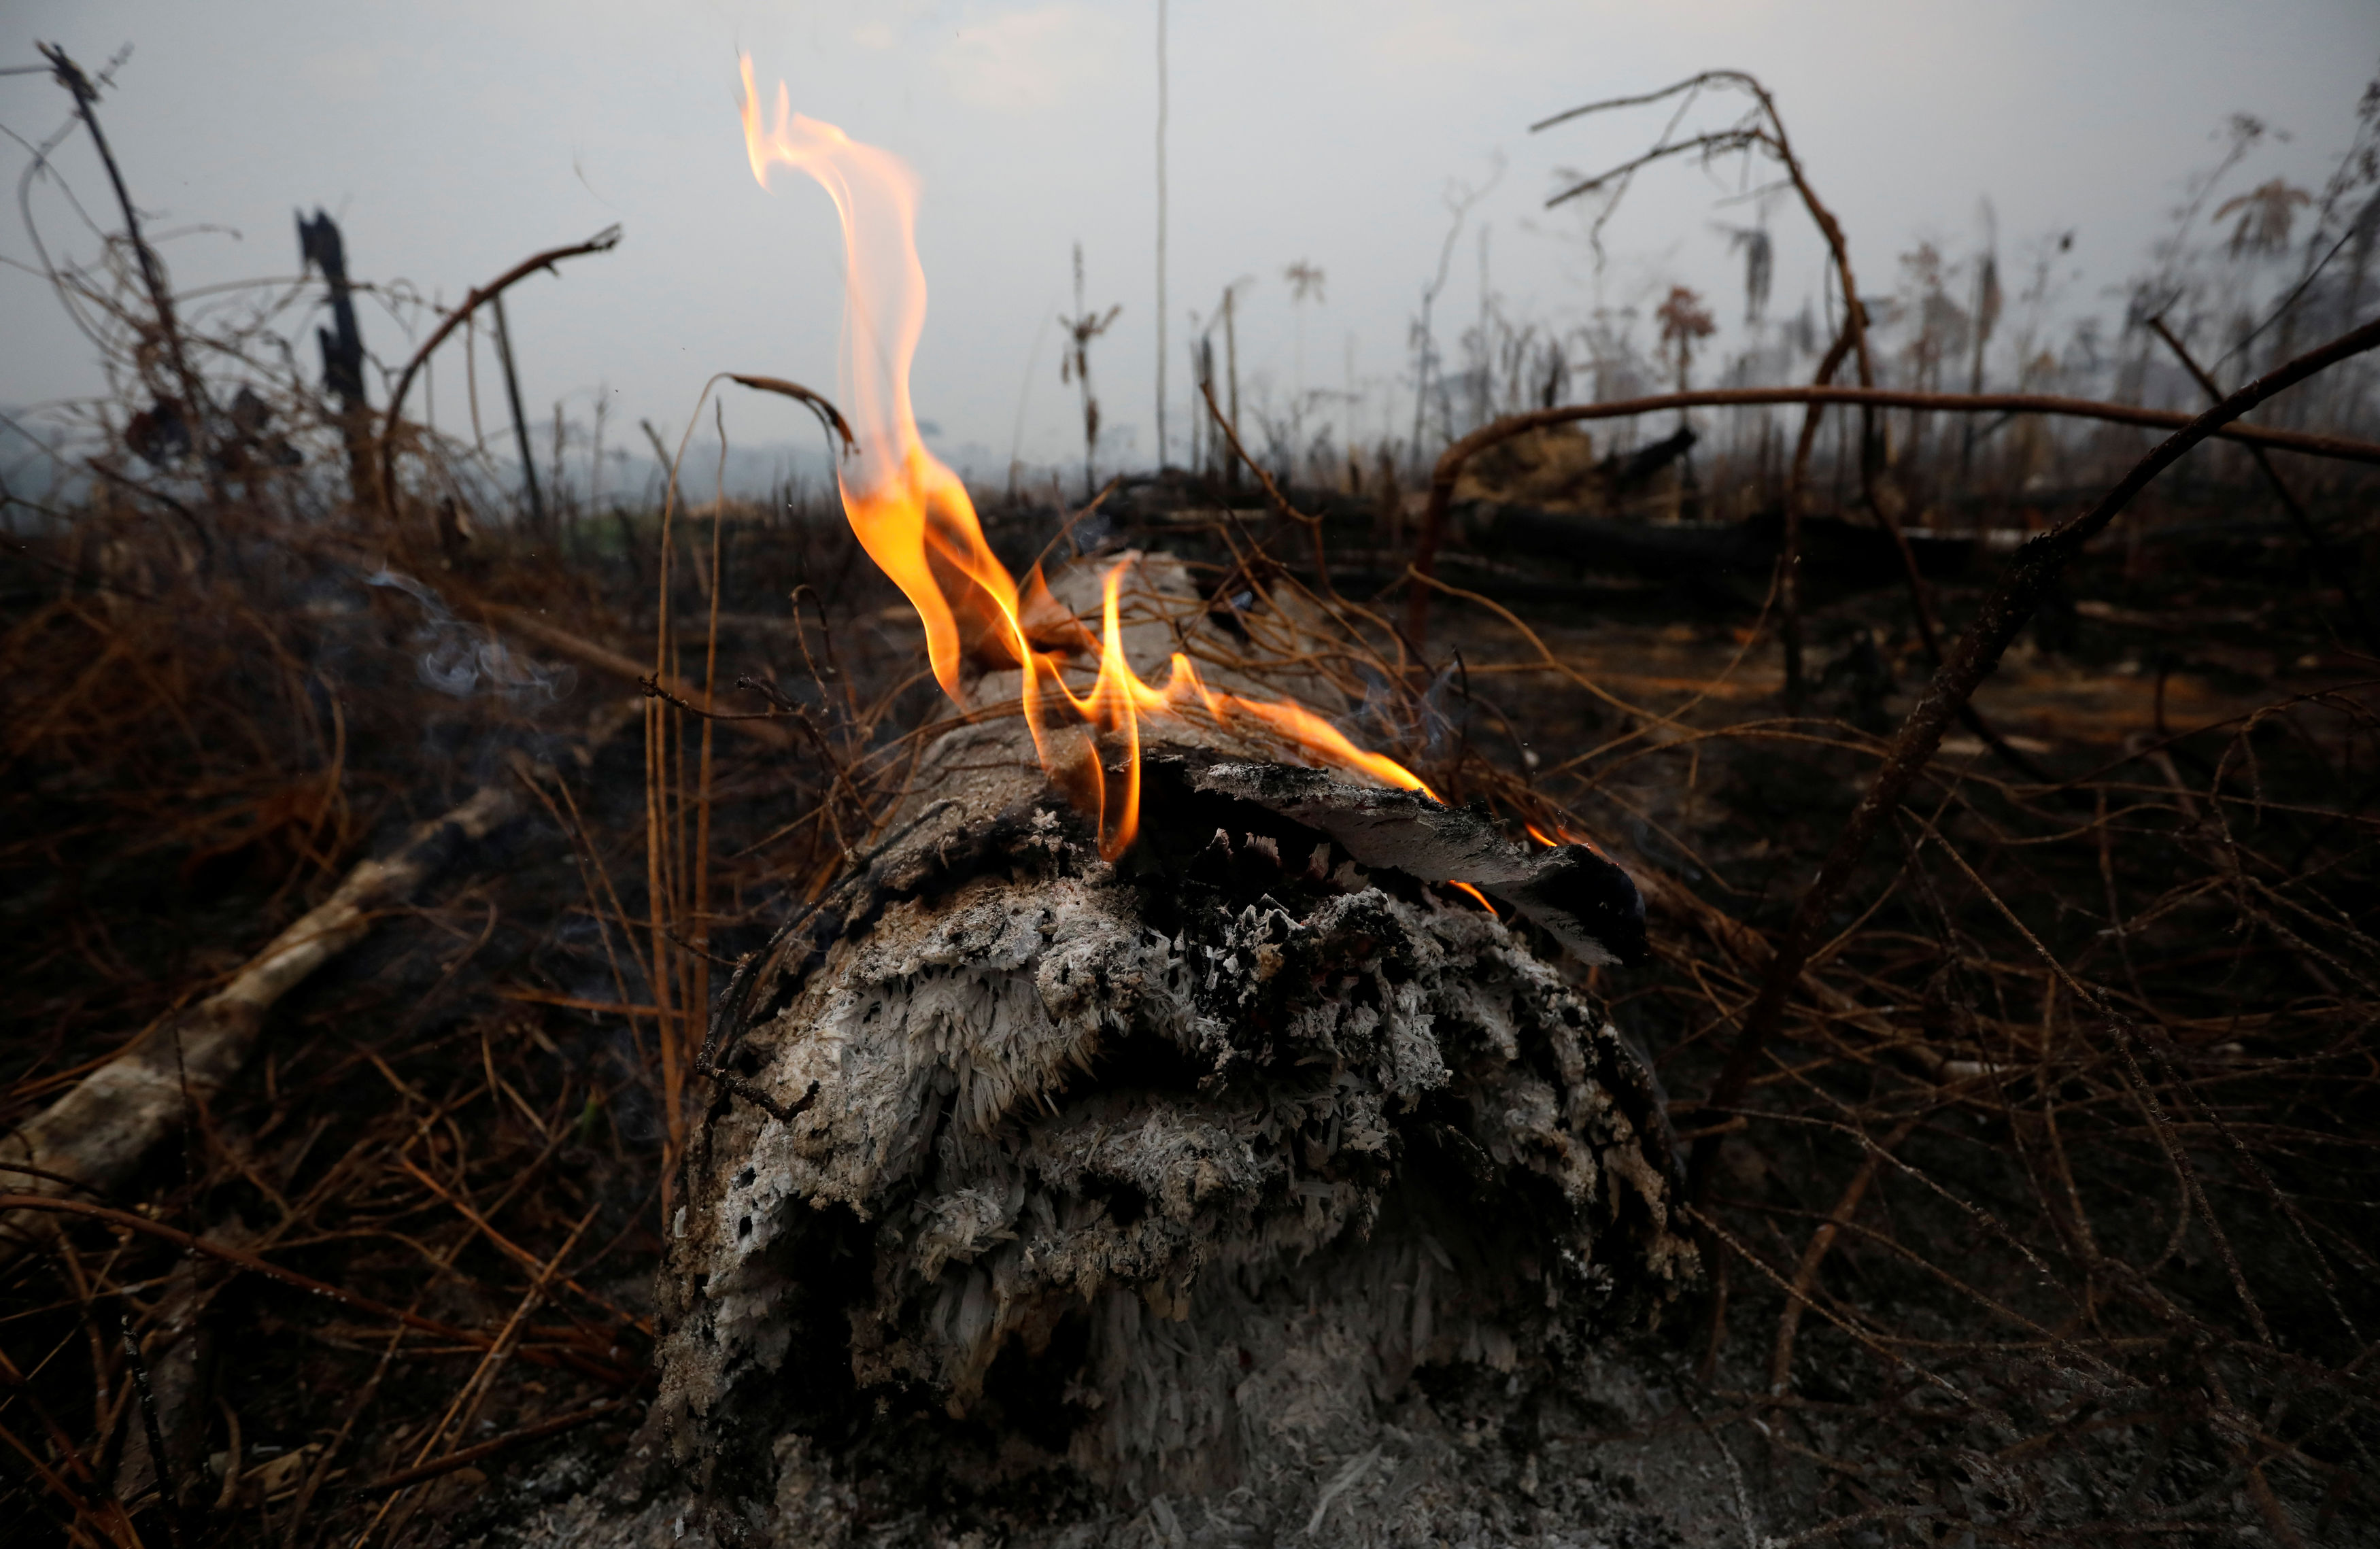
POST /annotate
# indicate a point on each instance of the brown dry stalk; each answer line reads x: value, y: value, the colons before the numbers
x: 514, y: 1252
x: 473, y: 1395
x: 109, y: 1512
x: 1788, y: 1319
x: 828, y: 416
x: 519, y: 621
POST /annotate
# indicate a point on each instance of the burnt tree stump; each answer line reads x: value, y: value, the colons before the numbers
x: 1224, y: 1194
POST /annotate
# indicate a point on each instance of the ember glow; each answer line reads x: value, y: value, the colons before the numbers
x: 913, y: 516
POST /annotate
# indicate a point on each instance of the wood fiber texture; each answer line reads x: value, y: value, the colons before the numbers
x: 1232, y: 1191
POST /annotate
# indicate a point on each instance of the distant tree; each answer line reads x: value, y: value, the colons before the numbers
x: 2268, y: 213
x: 1684, y: 319
x: 1943, y: 326
x: 1074, y: 366
x: 1305, y: 285
x: 1759, y: 267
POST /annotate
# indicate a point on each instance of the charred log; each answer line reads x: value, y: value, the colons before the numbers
x: 1039, y: 1188
x: 1716, y: 564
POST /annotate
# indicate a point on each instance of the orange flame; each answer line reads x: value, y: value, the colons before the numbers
x: 1561, y: 835
x: 913, y: 517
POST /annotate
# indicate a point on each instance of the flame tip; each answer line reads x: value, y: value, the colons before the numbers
x: 913, y: 517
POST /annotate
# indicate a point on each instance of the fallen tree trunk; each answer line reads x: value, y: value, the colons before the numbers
x: 1448, y: 469
x: 91, y: 1139
x: 1210, y: 1195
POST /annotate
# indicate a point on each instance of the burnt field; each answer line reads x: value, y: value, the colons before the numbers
x: 378, y: 841
x: 2070, y: 1092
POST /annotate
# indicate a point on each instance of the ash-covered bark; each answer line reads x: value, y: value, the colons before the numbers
x: 1168, y: 1181
x: 1248, y: 1188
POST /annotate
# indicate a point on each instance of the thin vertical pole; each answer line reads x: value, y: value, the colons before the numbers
x: 1231, y: 369
x: 1160, y: 235
x: 520, y: 420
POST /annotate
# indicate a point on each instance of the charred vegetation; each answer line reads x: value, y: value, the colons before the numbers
x: 427, y: 897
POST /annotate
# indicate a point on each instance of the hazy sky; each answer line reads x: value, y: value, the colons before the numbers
x: 451, y: 140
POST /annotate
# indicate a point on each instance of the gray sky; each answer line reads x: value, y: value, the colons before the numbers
x: 453, y: 138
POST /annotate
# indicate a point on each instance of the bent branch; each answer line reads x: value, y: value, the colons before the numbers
x: 601, y: 242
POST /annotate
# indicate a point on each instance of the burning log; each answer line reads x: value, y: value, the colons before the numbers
x: 1052, y: 1185
x: 1145, y: 1121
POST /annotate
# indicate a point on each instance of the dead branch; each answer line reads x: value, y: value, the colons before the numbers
x: 1797, y: 494
x: 2012, y: 603
x: 98, y: 1133
x: 601, y: 242
x: 153, y: 274
x: 2298, y: 515
x: 828, y: 416
x: 1773, y: 139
